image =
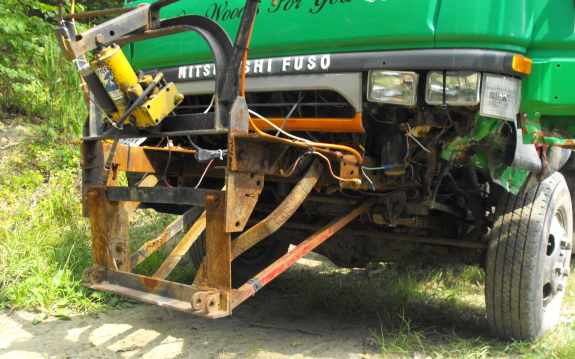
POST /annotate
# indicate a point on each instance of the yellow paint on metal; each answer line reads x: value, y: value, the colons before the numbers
x: 158, y: 106
x: 122, y: 85
x: 116, y: 74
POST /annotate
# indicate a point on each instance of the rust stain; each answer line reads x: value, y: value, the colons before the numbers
x: 151, y: 284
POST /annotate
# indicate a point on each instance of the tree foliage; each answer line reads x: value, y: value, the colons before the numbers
x: 35, y: 79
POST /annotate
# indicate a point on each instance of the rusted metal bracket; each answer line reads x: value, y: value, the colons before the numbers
x: 242, y: 188
x: 281, y: 214
x: 109, y: 221
x: 144, y: 17
x: 215, y: 280
x: 137, y: 19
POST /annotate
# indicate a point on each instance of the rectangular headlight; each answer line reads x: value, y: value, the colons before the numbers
x: 397, y: 87
x: 500, y: 96
x: 461, y: 88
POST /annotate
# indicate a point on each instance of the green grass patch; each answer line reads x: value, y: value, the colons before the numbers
x: 421, y: 311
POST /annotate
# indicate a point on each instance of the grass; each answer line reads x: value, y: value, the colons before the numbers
x: 421, y: 311
x: 44, y: 241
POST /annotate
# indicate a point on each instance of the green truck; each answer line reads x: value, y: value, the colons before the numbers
x: 364, y: 130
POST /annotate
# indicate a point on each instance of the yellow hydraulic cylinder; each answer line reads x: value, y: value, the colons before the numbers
x: 116, y: 74
x: 123, y: 87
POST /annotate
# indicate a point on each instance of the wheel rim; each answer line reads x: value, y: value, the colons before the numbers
x: 557, y: 259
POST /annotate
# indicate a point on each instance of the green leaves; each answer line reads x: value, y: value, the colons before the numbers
x: 32, y: 68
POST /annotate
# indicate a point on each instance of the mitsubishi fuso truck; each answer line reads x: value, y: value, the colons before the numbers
x: 364, y: 130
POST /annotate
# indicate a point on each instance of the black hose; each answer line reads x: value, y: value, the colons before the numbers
x: 472, y: 195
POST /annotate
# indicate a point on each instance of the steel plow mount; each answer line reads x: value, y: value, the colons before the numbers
x: 206, y: 213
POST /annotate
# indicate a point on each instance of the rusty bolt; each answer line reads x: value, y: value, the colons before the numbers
x: 99, y: 39
x: 213, y: 198
x: 90, y: 157
x: 264, y: 163
x: 241, y: 155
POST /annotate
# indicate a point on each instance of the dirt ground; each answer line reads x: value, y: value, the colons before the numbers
x: 260, y: 328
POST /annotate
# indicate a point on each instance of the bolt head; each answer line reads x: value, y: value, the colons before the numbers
x: 560, y: 287
x: 99, y: 39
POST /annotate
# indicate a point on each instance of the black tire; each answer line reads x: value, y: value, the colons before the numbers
x: 250, y: 263
x: 528, y: 259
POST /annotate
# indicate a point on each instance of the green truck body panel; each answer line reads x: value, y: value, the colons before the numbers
x: 305, y: 26
x: 541, y: 30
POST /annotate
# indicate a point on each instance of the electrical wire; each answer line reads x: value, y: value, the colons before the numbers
x: 331, y: 170
x: 415, y: 139
x: 277, y: 128
x: 368, y: 179
x: 115, y: 125
x: 292, y: 167
x: 310, y: 153
x: 196, y: 147
x: 211, y: 104
x: 140, y: 181
x: 169, y: 159
x: 326, y: 101
x: 441, y: 133
x: 203, y: 174
x: 300, y: 98
x: 378, y: 168
x: 380, y: 121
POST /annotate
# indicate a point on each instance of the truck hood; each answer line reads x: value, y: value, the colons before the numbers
x: 297, y: 27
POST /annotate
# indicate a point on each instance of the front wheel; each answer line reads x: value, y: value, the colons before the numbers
x: 528, y: 260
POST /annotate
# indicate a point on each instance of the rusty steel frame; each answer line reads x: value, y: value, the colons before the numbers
x: 279, y: 266
x: 214, y: 213
x: 281, y: 214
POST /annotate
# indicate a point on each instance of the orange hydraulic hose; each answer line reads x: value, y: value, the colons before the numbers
x: 257, y: 130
